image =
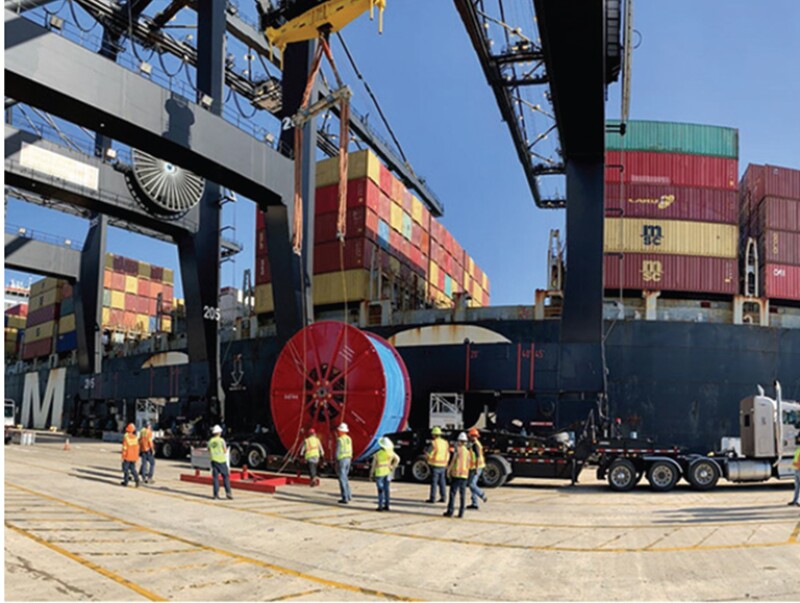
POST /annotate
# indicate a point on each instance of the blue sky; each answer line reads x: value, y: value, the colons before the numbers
x: 725, y: 62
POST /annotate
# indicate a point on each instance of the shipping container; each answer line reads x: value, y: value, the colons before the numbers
x: 406, y: 226
x: 118, y: 300
x: 119, y: 264
x: 361, y: 222
x: 117, y: 281
x: 384, y: 207
x: 143, y: 323
x: 66, y: 290
x: 261, y: 241
x: 66, y: 323
x: 672, y: 169
x: 109, y: 263
x: 106, y: 316
x: 774, y: 213
x: 383, y: 233
x: 396, y: 217
x: 42, y: 315
x: 672, y: 137
x: 131, y: 284
x: 672, y: 202
x: 107, y: 298
x: 143, y: 287
x: 361, y: 164
x: 47, y: 298
x: 41, y: 331
x: 18, y: 310
x: 385, y: 179
x: 780, y: 247
x: 144, y: 270
x: 156, y: 289
x: 656, y: 272
x: 37, y: 349
x: 772, y: 181
x: 780, y: 282
x: 167, y: 292
x: 166, y: 324
x: 117, y: 318
x: 357, y: 253
x: 156, y: 273
x: 107, y: 281
x: 44, y: 285
x: 361, y: 192
x: 67, y: 306
x: 644, y: 235
x: 263, y: 274
x: 66, y: 342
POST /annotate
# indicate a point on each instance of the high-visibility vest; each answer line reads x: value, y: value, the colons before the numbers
x: 459, y: 466
x: 313, y: 447
x: 438, y: 456
x: 130, y: 447
x: 345, y: 447
x: 216, y: 450
x: 383, y: 465
x: 146, y: 439
x: 478, y: 462
x: 796, y: 461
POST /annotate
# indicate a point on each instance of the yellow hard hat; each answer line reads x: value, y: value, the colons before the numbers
x: 436, y: 431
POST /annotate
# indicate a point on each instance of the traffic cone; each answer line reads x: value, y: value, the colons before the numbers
x: 66, y: 445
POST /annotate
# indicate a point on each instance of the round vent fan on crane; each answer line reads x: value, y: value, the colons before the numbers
x: 163, y: 186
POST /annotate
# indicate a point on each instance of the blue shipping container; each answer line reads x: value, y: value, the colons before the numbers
x: 67, y: 306
x: 67, y: 342
x: 448, y: 285
x: 383, y: 233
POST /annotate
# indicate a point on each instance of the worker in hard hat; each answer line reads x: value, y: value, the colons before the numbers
x: 344, y: 456
x: 796, y: 466
x: 458, y: 472
x: 477, y: 464
x: 218, y: 453
x: 312, y: 452
x: 384, y: 462
x: 130, y: 454
x: 437, y: 455
x: 147, y: 449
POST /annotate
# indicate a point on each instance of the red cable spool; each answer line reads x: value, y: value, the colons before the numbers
x: 330, y: 373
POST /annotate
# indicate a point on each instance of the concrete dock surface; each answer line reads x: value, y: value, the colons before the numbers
x: 73, y: 533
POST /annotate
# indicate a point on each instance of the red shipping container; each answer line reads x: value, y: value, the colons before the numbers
x: 781, y: 282
x: 118, y: 281
x: 116, y: 318
x: 358, y: 253
x: 131, y: 267
x: 151, y: 306
x: 131, y: 302
x: 672, y: 203
x: 167, y: 292
x: 155, y: 289
x: 166, y: 306
x: 37, y: 349
x: 672, y: 169
x: 406, y: 202
x: 129, y: 320
x: 260, y: 219
x: 261, y: 241
x: 386, y: 179
x: 397, y: 191
x: 360, y: 192
x: 416, y: 235
x: 119, y: 263
x: 361, y: 222
x: 661, y: 272
x: 778, y: 214
x: 772, y: 181
x: 143, y: 287
x: 156, y: 273
x: 395, y: 242
x: 780, y: 247
x: 384, y: 207
x: 66, y: 291
x: 440, y: 279
x: 263, y: 275
x: 425, y: 244
x: 18, y: 310
x: 42, y: 315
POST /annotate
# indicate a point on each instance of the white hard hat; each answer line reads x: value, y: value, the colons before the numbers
x: 386, y: 443
x: 343, y: 428
x: 462, y: 437
x: 216, y: 429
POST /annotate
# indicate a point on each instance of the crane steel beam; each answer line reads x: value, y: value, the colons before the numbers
x: 94, y: 92
x: 37, y: 257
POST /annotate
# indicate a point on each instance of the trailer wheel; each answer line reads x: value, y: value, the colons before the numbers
x: 256, y: 456
x: 168, y: 450
x: 703, y: 474
x: 496, y: 472
x: 622, y: 475
x: 420, y: 470
x: 662, y: 476
x: 236, y: 455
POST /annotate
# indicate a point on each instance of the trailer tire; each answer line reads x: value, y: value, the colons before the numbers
x: 622, y: 475
x: 256, y: 456
x: 236, y: 455
x: 703, y: 474
x: 169, y: 450
x: 662, y: 476
x: 420, y: 470
x: 496, y: 472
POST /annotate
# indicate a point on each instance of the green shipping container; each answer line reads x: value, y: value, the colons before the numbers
x: 669, y: 137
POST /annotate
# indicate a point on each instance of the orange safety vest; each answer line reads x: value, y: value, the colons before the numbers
x: 438, y: 456
x: 130, y: 447
x: 478, y: 462
x: 459, y: 466
x: 146, y: 439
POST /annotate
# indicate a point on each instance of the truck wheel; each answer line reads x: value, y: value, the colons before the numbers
x: 236, y: 455
x: 662, y: 476
x: 703, y: 474
x: 168, y: 450
x: 622, y: 475
x: 256, y: 456
x: 420, y: 470
x: 496, y: 472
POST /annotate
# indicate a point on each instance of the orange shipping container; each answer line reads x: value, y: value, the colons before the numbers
x: 143, y: 288
x: 107, y: 280
x: 117, y: 281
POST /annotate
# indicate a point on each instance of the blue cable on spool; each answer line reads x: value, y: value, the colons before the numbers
x: 394, y: 409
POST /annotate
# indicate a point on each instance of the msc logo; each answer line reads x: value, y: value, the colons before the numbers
x: 779, y: 272
x: 38, y: 412
x: 651, y: 235
x: 662, y: 202
x: 652, y: 271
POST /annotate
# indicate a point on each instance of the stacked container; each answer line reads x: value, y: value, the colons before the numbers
x: 41, y: 324
x: 770, y: 213
x: 671, y: 208
x: 15, y: 318
x: 391, y: 241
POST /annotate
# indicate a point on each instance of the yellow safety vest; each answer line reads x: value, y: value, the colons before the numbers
x: 478, y: 462
x: 345, y: 447
x: 438, y: 456
x: 459, y: 466
x: 796, y: 461
x: 146, y: 439
x: 313, y: 446
x: 383, y: 466
x: 216, y: 450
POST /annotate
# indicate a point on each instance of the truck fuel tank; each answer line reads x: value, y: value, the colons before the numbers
x: 748, y: 470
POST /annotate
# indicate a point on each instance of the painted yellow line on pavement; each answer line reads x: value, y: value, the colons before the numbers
x: 86, y: 563
x: 296, y: 595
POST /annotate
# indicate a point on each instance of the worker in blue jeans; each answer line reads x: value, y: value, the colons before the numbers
x: 476, y: 469
x: 796, y: 466
x: 437, y: 455
x: 344, y: 456
x: 458, y: 472
x: 384, y: 463
x: 218, y: 453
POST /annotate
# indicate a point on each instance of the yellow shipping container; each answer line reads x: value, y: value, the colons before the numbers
x: 433, y: 273
x: 11, y: 333
x: 169, y: 276
x: 66, y: 324
x: 46, y: 284
x: 118, y: 300
x: 143, y: 323
x: 264, y: 303
x: 144, y: 270
x: 106, y: 316
x: 43, y: 300
x: 131, y: 284
x: 43, y: 331
x: 471, y: 266
x: 16, y: 322
x: 679, y: 237
x: 110, y: 261
x: 166, y: 324
x: 485, y: 283
x: 329, y: 289
x: 417, y: 208
x: 396, y: 217
x: 359, y: 165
